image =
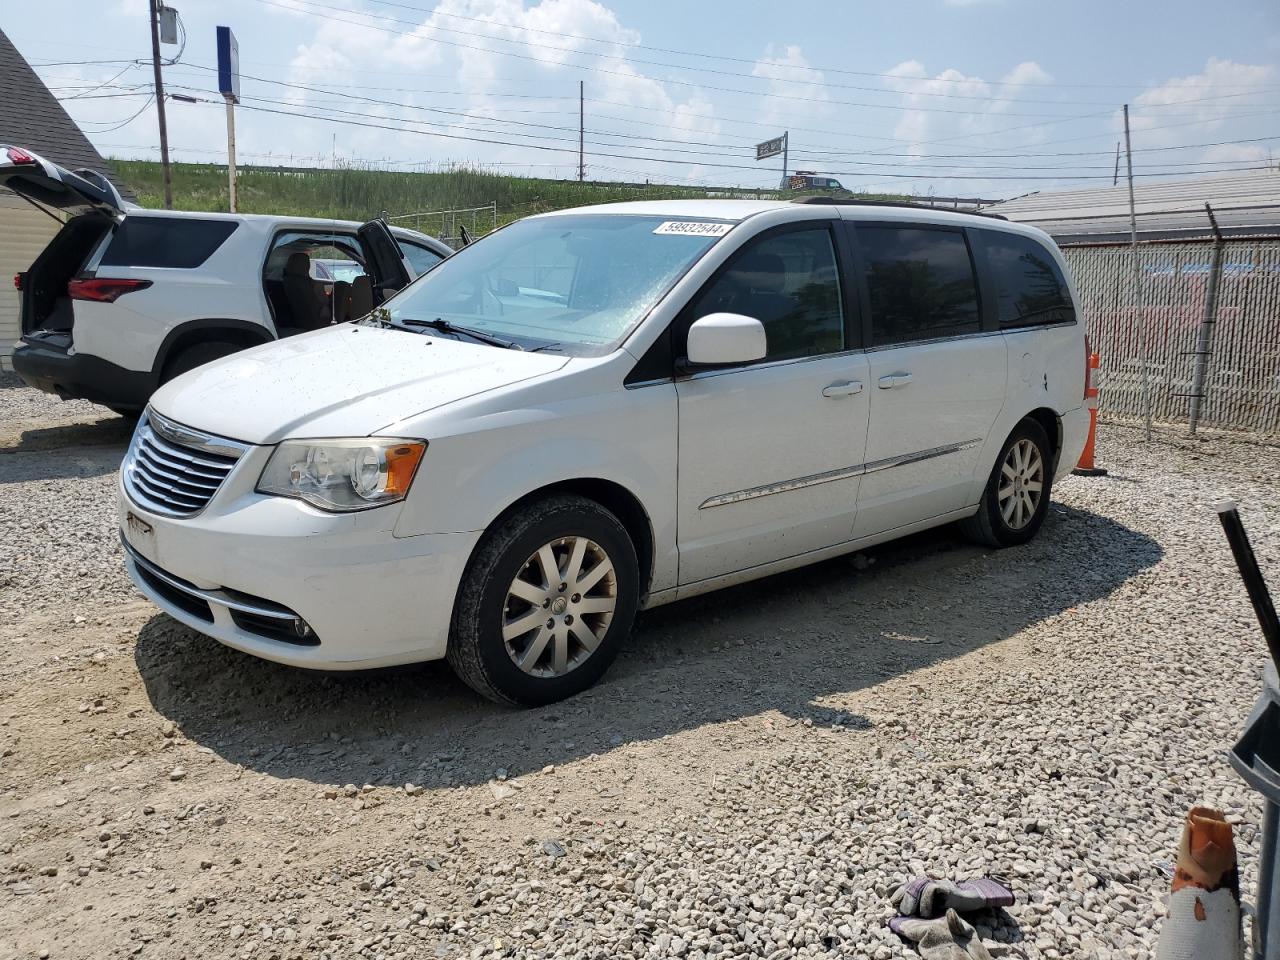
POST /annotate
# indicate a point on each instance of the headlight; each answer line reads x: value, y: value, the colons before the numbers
x: 343, y: 475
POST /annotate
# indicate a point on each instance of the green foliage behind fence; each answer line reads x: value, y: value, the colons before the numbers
x: 359, y: 193
x: 352, y: 193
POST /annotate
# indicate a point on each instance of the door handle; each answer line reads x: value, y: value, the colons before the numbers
x: 893, y: 380
x: 842, y: 388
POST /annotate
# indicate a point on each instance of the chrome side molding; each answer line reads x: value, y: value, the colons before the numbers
x: 842, y: 473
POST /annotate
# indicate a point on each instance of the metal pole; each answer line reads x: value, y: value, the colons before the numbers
x: 1137, y: 283
x: 164, y: 132
x: 231, y: 151
x: 1115, y: 177
x: 495, y: 214
x: 1204, y: 337
x: 582, y: 166
x: 786, y: 145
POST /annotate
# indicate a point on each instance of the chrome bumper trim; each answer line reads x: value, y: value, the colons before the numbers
x: 209, y: 596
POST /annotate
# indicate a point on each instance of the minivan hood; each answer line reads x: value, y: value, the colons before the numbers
x: 345, y: 381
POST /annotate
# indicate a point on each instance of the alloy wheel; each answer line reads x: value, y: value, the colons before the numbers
x: 1021, y: 484
x: 559, y: 606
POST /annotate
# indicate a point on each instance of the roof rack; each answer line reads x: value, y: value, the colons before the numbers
x: 842, y: 202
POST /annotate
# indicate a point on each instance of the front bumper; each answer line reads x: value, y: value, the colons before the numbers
x: 246, y: 568
x: 55, y: 369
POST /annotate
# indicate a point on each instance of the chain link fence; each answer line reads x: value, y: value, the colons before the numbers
x: 1241, y: 388
x: 448, y: 225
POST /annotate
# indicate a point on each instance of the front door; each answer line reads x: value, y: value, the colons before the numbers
x: 770, y: 452
x: 936, y: 381
x: 383, y: 260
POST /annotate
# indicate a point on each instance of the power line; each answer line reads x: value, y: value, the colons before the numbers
x: 571, y: 150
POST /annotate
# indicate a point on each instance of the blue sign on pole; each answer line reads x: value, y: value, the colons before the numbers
x: 228, y: 64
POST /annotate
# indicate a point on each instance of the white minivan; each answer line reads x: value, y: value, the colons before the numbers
x: 600, y: 410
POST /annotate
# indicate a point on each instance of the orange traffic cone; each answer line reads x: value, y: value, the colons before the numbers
x: 1086, y: 468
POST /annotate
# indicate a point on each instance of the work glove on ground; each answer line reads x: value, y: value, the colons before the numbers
x: 946, y: 938
x: 928, y: 898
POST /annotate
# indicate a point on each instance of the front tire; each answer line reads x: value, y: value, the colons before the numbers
x: 1016, y: 497
x: 545, y: 604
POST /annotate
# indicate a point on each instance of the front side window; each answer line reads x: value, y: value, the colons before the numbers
x: 178, y: 242
x: 920, y: 281
x: 1029, y: 287
x: 575, y: 283
x: 420, y: 258
x: 787, y: 281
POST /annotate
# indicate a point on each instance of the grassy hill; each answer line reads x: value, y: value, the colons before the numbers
x: 353, y: 193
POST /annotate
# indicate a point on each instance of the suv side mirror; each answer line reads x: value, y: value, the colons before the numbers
x: 719, y: 339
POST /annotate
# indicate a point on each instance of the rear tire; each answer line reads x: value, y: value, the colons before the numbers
x: 526, y: 637
x: 197, y: 355
x: 1016, y: 497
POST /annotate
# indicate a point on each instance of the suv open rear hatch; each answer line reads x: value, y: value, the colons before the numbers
x: 47, y: 185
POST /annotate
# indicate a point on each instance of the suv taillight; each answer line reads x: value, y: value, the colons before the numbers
x: 18, y: 155
x: 17, y: 281
x: 103, y: 289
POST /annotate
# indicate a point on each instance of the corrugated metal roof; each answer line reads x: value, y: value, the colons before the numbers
x: 1245, y: 205
x: 31, y: 117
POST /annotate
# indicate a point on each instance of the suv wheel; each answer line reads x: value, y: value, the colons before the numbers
x: 546, y: 602
x: 197, y: 355
x: 1016, y: 498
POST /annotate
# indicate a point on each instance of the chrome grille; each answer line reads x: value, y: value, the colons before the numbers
x: 175, y: 470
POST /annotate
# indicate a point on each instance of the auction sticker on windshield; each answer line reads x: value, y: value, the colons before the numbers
x: 694, y: 228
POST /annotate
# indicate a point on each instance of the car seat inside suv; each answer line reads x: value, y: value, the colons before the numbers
x: 307, y: 308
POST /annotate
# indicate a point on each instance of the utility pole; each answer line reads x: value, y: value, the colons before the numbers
x: 582, y: 166
x: 164, y: 132
x: 1137, y: 282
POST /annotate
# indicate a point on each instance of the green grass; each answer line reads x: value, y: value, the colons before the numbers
x: 354, y: 193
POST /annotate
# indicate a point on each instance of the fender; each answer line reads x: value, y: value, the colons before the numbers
x: 242, y: 330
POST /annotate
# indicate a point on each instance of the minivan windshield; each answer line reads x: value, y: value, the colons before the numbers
x: 576, y: 284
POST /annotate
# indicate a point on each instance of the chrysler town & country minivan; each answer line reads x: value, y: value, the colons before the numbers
x: 600, y: 410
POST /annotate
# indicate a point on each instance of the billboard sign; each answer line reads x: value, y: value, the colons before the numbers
x: 770, y: 148
x: 228, y: 65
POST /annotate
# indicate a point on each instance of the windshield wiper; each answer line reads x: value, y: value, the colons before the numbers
x: 545, y: 346
x: 444, y: 326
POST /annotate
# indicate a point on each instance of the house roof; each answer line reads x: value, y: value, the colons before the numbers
x: 32, y: 117
x: 1245, y: 204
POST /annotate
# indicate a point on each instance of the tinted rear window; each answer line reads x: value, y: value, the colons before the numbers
x: 921, y: 283
x: 165, y: 242
x: 1029, y: 287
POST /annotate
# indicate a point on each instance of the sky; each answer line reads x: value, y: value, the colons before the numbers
x: 990, y: 98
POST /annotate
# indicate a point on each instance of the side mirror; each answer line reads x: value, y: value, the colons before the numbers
x: 726, y: 338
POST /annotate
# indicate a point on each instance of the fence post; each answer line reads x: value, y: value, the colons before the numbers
x: 1204, y: 336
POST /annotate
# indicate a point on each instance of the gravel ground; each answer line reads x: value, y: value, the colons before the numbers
x: 754, y: 776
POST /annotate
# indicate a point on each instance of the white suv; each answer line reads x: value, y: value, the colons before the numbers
x: 595, y: 411
x: 125, y: 299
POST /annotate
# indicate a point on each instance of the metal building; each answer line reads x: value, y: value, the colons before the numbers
x: 1190, y: 333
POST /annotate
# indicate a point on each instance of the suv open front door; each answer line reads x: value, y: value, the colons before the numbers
x: 386, y: 266
x: 48, y: 185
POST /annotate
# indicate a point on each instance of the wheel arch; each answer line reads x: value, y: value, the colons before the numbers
x: 1052, y: 425
x: 615, y: 498
x: 184, y: 335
